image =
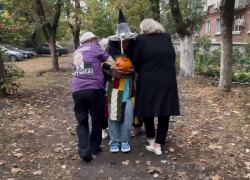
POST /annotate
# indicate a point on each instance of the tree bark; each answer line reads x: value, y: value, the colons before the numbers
x: 185, y: 31
x: 3, y: 92
x: 186, y: 56
x: 34, y: 41
x: 78, y: 23
x: 155, y: 9
x: 49, y: 30
x: 76, y: 38
x: 75, y: 29
x: 53, y: 52
x: 227, y: 17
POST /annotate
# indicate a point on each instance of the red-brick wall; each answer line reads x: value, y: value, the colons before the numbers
x: 237, y: 38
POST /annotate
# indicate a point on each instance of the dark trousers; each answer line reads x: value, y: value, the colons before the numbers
x: 89, y: 101
x: 138, y: 125
x: 104, y: 123
x: 162, y: 128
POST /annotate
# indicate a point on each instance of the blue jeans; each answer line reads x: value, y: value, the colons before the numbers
x: 120, y: 132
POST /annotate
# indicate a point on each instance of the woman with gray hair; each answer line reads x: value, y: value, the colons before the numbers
x: 156, y: 94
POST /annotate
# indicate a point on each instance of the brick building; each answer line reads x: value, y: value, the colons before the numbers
x: 241, y: 26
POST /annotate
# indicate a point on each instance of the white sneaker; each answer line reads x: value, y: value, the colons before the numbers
x: 151, y: 142
x: 105, y: 134
x: 157, y: 151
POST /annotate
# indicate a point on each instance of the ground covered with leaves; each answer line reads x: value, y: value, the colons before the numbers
x: 211, y: 140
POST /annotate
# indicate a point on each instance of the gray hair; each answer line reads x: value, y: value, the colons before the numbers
x: 103, y: 43
x: 150, y: 26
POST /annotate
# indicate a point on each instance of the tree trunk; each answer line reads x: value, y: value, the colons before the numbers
x: 34, y: 41
x: 54, y: 56
x: 186, y: 56
x: 76, y: 37
x: 227, y: 17
x: 78, y: 23
x: 3, y: 92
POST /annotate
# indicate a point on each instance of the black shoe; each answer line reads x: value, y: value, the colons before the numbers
x: 87, y: 159
x: 99, y: 150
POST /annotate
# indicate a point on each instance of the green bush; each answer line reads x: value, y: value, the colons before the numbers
x: 241, y: 76
x: 208, y: 65
x: 12, y: 73
x: 68, y: 44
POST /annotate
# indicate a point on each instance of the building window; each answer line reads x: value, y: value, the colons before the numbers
x: 236, y: 26
x: 217, y: 26
x: 208, y: 27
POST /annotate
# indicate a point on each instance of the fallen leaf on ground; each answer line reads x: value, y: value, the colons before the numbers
x: 101, y: 171
x: 148, y: 163
x: 2, y: 163
x: 215, y: 147
x: 137, y: 162
x: 126, y: 163
x: 216, y: 177
x: 15, y: 170
x: 152, y: 169
x: 247, y: 150
x: 156, y: 175
x: 233, y: 144
x: 57, y: 150
x: 194, y: 133
x: 248, y: 175
x: 39, y: 172
x: 248, y: 165
x: 73, y: 132
x: 203, y: 160
x: 10, y: 179
x: 64, y: 166
x: 180, y: 146
x: 171, y: 150
x: 18, y: 154
x: 164, y: 161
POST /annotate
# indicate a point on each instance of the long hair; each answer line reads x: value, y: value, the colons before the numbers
x: 114, y: 49
x: 150, y: 26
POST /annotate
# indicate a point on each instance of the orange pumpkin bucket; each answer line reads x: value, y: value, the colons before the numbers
x: 124, y: 62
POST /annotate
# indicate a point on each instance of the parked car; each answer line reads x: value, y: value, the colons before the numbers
x: 12, y: 55
x: 44, y: 49
x: 27, y: 54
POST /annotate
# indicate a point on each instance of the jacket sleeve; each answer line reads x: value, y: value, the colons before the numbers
x: 136, y: 56
x: 107, y: 65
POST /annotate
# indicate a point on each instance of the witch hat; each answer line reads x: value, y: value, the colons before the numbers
x: 123, y: 32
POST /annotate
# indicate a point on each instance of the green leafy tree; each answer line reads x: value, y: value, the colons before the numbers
x: 102, y: 15
x: 11, y: 28
x: 49, y: 23
x: 187, y: 18
x: 74, y: 13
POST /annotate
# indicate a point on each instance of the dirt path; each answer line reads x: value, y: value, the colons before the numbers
x: 37, y: 130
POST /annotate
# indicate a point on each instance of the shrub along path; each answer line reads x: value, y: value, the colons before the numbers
x: 38, y: 139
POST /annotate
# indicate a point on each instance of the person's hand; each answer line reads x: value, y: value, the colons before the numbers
x: 117, y: 70
x: 131, y: 70
x: 114, y: 74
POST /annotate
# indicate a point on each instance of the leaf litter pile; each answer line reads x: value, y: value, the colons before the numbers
x: 210, y: 141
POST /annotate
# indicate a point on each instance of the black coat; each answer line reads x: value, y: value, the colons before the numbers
x: 156, y: 86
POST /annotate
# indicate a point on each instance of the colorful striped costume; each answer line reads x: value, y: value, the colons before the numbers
x: 118, y: 91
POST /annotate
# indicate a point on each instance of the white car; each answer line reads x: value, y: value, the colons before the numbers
x: 12, y: 55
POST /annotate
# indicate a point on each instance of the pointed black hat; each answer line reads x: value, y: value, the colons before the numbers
x: 123, y: 32
x: 121, y: 18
